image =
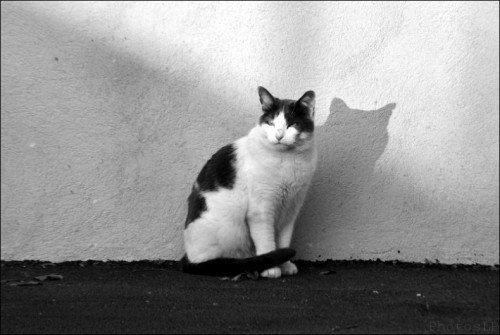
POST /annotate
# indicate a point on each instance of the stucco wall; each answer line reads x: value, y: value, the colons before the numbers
x: 109, y: 110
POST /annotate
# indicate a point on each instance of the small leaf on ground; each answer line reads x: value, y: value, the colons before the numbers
x: 329, y: 272
x: 5, y: 281
x: 49, y: 277
x: 46, y: 265
x: 235, y: 278
x: 25, y: 283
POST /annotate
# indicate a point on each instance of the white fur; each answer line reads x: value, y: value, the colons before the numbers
x: 258, y: 214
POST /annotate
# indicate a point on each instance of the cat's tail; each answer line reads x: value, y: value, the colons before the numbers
x: 229, y: 267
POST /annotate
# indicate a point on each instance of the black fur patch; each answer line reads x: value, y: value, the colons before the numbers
x: 219, y: 171
x: 196, y: 205
x: 296, y: 114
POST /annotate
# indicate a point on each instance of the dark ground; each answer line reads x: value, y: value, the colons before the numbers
x: 154, y: 297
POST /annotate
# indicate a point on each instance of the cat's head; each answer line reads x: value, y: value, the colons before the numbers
x: 287, y: 124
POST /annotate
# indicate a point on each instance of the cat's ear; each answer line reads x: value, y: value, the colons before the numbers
x: 308, y: 100
x: 266, y: 99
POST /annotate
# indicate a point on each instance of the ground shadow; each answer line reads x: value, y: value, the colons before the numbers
x: 349, y: 144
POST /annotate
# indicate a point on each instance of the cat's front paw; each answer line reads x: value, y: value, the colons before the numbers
x: 288, y: 269
x: 271, y: 273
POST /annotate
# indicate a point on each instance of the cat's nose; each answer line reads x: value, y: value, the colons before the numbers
x: 279, y: 134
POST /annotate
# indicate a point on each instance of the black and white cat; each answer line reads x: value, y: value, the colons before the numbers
x: 244, y: 203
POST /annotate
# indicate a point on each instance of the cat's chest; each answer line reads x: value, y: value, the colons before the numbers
x: 273, y: 169
x: 288, y: 173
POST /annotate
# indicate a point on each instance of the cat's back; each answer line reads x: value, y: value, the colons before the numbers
x: 219, y: 171
x: 217, y: 185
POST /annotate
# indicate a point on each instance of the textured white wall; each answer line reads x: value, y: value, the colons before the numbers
x: 110, y: 109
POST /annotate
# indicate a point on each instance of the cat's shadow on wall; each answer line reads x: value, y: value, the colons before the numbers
x: 349, y: 144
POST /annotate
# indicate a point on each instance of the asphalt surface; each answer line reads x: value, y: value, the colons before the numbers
x: 326, y: 297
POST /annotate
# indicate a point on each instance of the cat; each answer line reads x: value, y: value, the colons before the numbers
x: 244, y: 203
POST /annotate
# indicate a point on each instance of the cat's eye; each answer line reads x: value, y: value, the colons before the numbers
x: 271, y: 123
x: 291, y: 125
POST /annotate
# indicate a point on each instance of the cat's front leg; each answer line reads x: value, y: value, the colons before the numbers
x: 285, y: 236
x: 286, y: 227
x: 284, y: 239
x: 261, y: 225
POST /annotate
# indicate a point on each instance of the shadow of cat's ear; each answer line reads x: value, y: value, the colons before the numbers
x: 338, y: 105
x: 266, y: 98
x: 388, y: 108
